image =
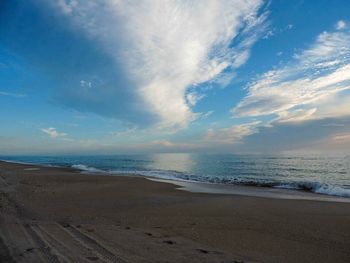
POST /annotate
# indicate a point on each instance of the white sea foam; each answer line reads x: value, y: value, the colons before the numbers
x: 332, y: 190
x: 86, y: 168
x: 315, y: 187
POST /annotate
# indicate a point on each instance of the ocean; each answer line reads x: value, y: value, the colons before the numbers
x: 329, y: 175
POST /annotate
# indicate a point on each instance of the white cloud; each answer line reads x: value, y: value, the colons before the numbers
x: 85, y: 84
x: 305, y: 88
x: 164, y: 143
x: 53, y: 133
x: 127, y: 132
x: 328, y: 47
x: 341, y: 24
x: 275, y: 31
x: 233, y: 134
x: 11, y: 94
x: 67, y: 6
x: 269, y: 34
x: 207, y: 114
x: 167, y: 145
x: 193, y: 98
x: 296, y: 115
x: 342, y: 137
x: 168, y: 47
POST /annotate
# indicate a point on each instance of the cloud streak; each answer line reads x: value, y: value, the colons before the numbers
x: 11, y: 94
x: 169, y: 48
x: 53, y: 133
x: 305, y: 88
x: 341, y: 24
x: 233, y: 134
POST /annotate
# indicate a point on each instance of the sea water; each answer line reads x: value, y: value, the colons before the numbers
x: 322, y: 174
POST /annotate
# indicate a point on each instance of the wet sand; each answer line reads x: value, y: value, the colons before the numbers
x: 60, y: 215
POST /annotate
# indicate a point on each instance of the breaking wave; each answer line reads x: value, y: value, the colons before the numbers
x: 315, y: 187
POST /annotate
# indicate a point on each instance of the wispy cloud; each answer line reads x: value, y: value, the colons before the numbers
x: 233, y: 134
x: 10, y: 94
x: 275, y: 31
x: 193, y: 98
x: 167, y: 145
x: 85, y: 84
x: 53, y: 133
x: 342, y: 137
x: 341, y: 24
x: 168, y: 47
x: 305, y: 88
x: 67, y: 7
x: 127, y: 132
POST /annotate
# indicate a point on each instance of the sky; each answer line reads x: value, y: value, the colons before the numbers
x: 114, y: 76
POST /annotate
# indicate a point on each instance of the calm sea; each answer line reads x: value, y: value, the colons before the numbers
x: 316, y: 173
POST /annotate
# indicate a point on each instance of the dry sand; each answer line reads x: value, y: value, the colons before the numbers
x: 61, y: 215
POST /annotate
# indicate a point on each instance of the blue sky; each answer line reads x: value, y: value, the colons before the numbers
x: 174, y: 76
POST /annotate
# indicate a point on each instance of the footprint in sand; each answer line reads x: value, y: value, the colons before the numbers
x: 203, y: 251
x: 170, y: 242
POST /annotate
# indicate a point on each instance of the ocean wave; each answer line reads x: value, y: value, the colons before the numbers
x: 86, y: 168
x: 333, y: 190
x: 315, y: 187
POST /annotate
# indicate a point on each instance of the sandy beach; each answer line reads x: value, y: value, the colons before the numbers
x: 60, y: 215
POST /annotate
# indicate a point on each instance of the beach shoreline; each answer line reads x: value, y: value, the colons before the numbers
x: 60, y: 213
x: 213, y: 188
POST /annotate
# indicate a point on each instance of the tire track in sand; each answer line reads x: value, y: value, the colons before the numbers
x: 91, y: 243
x: 43, y: 247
